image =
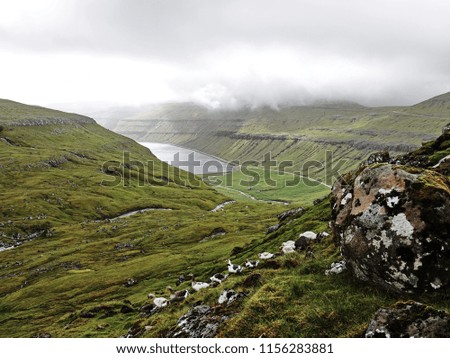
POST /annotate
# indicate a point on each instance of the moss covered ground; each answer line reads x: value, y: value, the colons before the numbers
x: 79, y: 272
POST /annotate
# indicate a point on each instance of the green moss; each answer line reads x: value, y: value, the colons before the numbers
x: 434, y: 180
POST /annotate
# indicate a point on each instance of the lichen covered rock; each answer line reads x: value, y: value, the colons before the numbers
x: 392, y: 224
x: 200, y: 322
x: 409, y: 319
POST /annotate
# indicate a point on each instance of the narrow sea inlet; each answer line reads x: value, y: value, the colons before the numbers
x: 188, y: 159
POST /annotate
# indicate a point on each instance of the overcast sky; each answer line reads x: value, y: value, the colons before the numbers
x: 224, y: 52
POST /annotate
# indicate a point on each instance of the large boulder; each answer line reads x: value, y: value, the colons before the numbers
x: 392, y: 224
x: 409, y: 320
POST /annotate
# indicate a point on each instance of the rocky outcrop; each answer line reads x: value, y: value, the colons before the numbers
x: 392, y: 224
x: 289, y: 214
x: 430, y: 154
x: 409, y: 319
x: 200, y: 322
x: 51, y: 121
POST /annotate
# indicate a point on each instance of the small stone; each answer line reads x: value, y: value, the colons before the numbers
x: 272, y: 228
x: 336, y: 268
x: 130, y: 282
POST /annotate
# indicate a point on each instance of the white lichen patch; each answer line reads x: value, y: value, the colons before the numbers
x: 401, y: 226
x: 348, y: 236
x: 417, y: 263
x: 386, y: 240
x: 376, y: 243
x: 391, y: 202
x: 346, y: 199
x: 436, y: 283
x: 397, y: 275
x: 384, y: 191
x: 372, y: 217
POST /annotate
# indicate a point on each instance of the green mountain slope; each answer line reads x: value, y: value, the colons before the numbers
x: 347, y: 131
x: 58, y: 162
x: 60, y: 251
x: 71, y: 266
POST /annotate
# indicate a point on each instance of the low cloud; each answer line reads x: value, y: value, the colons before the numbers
x: 224, y: 53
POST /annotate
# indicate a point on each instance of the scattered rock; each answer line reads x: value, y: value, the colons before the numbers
x: 301, y: 243
x: 148, y: 310
x: 288, y: 247
x: 135, y: 330
x: 251, y: 264
x: 321, y: 235
x: 229, y: 296
x: 446, y: 130
x: 379, y: 157
x: 42, y: 335
x: 309, y: 235
x: 318, y: 201
x: 336, y: 268
x: 200, y: 322
x: 290, y: 213
x: 392, y: 224
x: 309, y: 253
x: 218, y: 231
x: 409, y: 319
x: 124, y: 245
x: 87, y: 314
x: 304, y: 240
x: 272, y: 229
x: 130, y: 282
x: 182, y: 278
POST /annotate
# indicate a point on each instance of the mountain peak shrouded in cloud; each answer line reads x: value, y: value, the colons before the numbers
x: 224, y: 54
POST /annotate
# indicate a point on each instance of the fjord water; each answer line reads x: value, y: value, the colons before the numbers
x: 187, y: 159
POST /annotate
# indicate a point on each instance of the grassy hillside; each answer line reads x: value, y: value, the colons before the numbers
x: 348, y: 132
x: 63, y: 251
x: 71, y: 267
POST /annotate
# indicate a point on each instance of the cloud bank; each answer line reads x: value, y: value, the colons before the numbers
x: 224, y: 52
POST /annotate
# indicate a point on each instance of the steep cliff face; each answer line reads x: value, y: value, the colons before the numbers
x: 392, y: 220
